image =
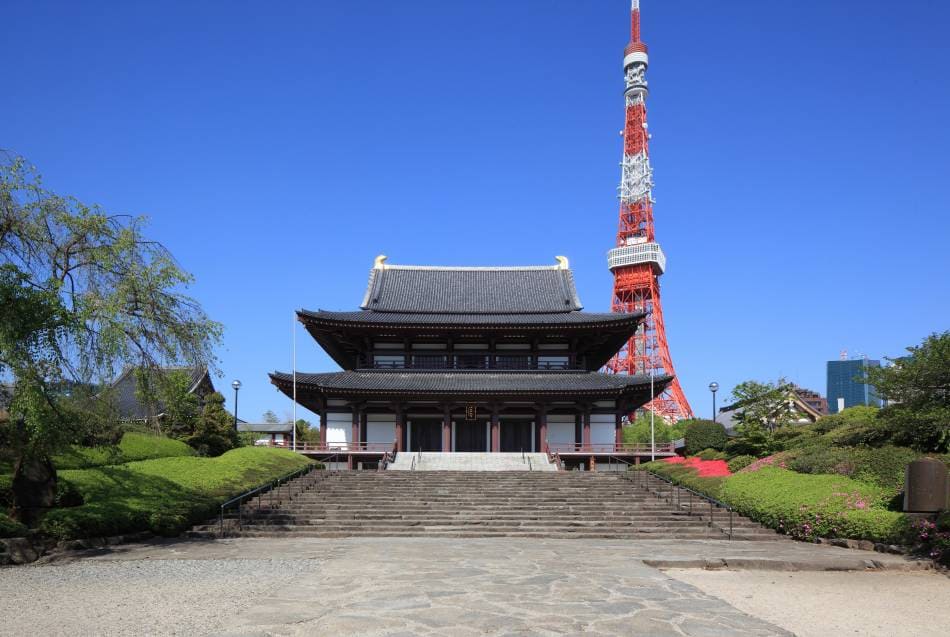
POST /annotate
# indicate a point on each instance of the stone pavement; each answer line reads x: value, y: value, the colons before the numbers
x: 491, y: 586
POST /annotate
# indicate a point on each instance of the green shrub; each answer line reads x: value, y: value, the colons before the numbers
x: 740, y: 462
x: 10, y: 527
x: 132, y: 447
x: 882, y: 466
x: 6, y: 491
x: 743, y: 447
x: 708, y: 454
x: 822, y: 460
x: 812, y: 506
x: 704, y: 434
x: 795, y: 436
x: 165, y: 495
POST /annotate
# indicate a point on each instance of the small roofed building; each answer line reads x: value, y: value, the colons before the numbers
x: 802, y: 406
x: 277, y: 434
x: 471, y: 359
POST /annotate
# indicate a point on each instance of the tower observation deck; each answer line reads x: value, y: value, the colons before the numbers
x: 637, y: 261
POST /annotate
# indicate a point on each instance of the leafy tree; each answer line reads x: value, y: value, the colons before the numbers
x: 172, y: 390
x: 82, y: 294
x: 918, y: 385
x: 761, y: 410
x: 270, y: 417
x: 639, y: 431
x: 305, y: 432
x: 214, y: 431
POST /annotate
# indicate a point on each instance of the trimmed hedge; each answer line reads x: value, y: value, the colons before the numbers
x: 739, y: 463
x: 704, y: 434
x: 812, y: 506
x: 132, y: 447
x: 166, y: 495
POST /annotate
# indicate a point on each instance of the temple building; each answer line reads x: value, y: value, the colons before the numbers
x: 467, y: 359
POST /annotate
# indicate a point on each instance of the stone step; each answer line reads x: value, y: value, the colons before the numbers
x: 481, y: 504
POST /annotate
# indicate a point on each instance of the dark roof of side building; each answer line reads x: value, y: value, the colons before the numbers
x: 467, y: 290
x: 125, y: 394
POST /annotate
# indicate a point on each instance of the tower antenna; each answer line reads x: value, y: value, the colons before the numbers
x: 638, y: 261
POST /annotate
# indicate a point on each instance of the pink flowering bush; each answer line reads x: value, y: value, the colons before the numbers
x: 932, y: 539
x: 775, y: 460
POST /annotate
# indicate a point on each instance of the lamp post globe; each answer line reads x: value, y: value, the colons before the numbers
x: 714, y: 387
x: 236, y: 384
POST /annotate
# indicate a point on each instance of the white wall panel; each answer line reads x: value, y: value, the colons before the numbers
x: 602, y: 429
x: 380, y: 428
x: 560, y: 429
x: 339, y: 430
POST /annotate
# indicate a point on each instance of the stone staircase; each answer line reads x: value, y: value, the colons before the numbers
x: 437, y: 461
x: 480, y: 504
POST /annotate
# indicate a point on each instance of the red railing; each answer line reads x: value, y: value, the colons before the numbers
x: 666, y: 448
x: 330, y: 447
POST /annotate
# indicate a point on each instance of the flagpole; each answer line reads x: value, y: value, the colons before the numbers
x: 652, y: 430
x: 293, y: 331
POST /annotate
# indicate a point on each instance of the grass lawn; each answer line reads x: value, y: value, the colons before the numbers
x: 134, y: 446
x: 165, y: 495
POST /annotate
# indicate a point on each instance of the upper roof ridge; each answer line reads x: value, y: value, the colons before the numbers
x: 471, y: 289
x: 380, y: 264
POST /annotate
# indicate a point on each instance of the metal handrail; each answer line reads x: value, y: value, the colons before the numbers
x: 388, y: 457
x: 611, y: 459
x: 702, y: 496
x: 264, y: 488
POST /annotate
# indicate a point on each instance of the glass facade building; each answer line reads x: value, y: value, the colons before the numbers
x: 844, y: 386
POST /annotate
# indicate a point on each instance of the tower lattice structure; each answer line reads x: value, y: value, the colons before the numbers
x: 638, y: 261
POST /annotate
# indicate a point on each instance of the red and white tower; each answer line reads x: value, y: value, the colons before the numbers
x: 638, y: 262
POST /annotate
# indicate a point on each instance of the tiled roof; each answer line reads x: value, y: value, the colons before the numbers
x: 521, y: 320
x: 475, y: 382
x: 266, y: 427
x: 444, y: 290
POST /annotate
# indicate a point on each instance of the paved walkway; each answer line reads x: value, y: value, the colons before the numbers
x: 398, y: 587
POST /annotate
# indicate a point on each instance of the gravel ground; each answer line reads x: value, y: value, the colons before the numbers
x: 821, y: 604
x: 143, y: 597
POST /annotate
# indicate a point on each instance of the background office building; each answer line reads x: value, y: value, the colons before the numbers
x: 844, y: 386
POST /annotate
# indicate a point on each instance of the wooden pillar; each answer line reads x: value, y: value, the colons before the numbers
x: 400, y: 417
x: 495, y: 431
x: 354, y: 434
x: 364, y: 427
x: 323, y: 427
x: 446, y: 428
x: 586, y: 439
x: 578, y: 429
x: 618, y: 430
x: 355, y: 429
x: 543, y: 427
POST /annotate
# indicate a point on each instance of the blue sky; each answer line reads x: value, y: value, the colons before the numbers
x: 800, y: 152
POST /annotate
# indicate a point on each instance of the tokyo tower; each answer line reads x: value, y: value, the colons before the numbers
x: 638, y: 261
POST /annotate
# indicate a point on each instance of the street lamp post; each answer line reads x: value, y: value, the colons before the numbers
x: 714, y: 387
x: 236, y: 385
